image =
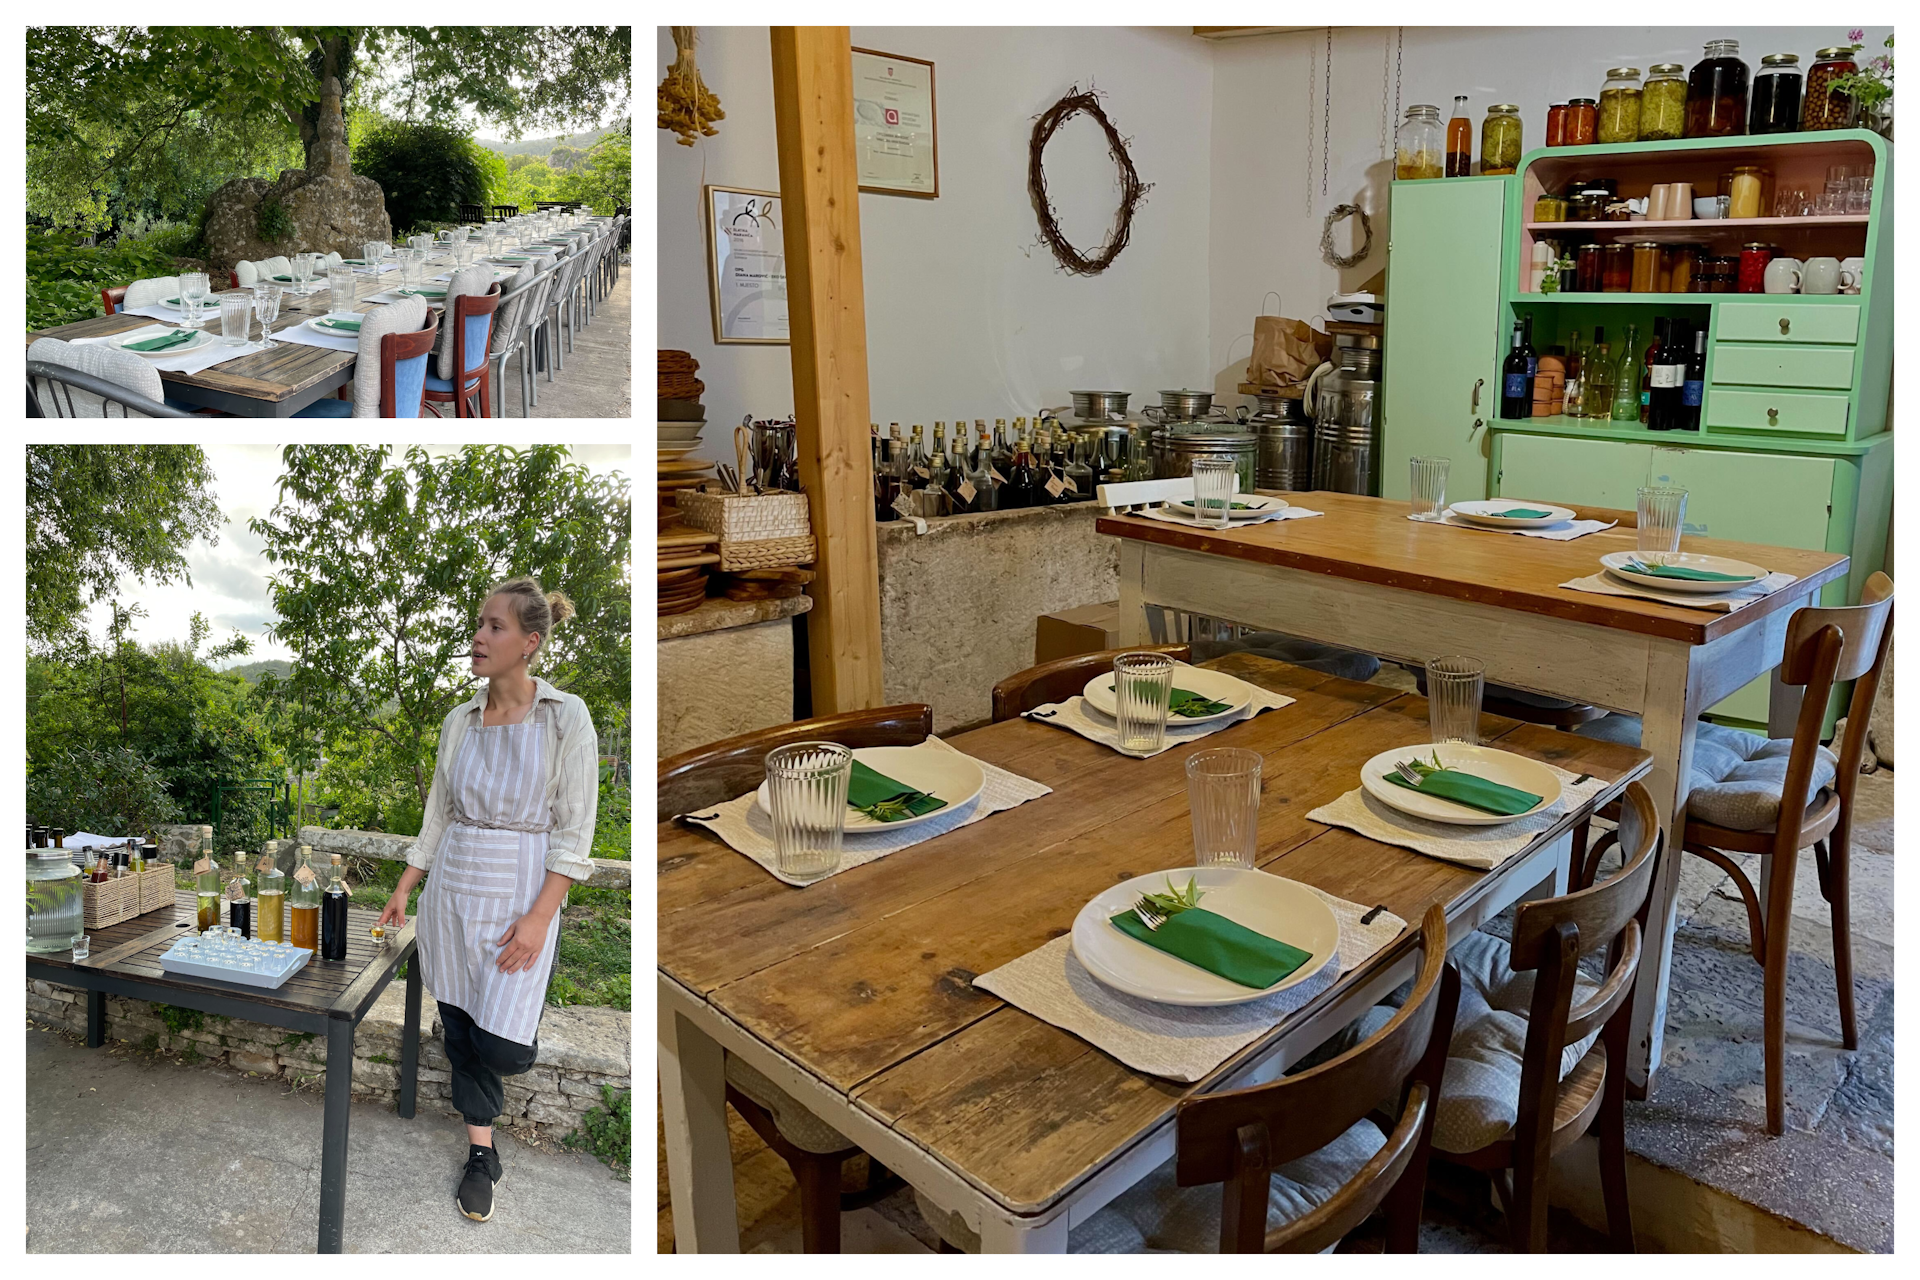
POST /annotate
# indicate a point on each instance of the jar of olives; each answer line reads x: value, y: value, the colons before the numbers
x: 1500, y: 139
x: 1663, y: 103
x: 1620, y: 106
x: 1824, y: 108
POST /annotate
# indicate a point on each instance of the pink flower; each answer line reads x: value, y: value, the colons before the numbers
x: 1856, y: 35
x: 1881, y: 63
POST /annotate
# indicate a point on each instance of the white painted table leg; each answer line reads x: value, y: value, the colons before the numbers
x: 997, y: 1236
x: 1133, y: 601
x: 693, y: 1101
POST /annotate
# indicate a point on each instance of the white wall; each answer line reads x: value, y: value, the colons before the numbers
x: 967, y: 314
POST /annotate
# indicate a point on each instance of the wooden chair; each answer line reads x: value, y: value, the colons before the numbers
x: 813, y: 1149
x: 111, y: 299
x: 1060, y: 679
x: 1512, y: 1108
x: 1314, y: 1131
x: 471, y: 317
x: 1750, y: 813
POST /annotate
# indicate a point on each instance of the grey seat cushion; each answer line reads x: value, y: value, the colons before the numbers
x: 1737, y: 776
x: 122, y: 367
x: 796, y: 1124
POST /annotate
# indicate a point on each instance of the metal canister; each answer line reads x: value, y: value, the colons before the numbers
x: 1284, y: 460
x: 1345, y: 452
x: 1099, y: 404
x: 1175, y: 449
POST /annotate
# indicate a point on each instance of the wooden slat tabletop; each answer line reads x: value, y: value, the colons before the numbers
x: 1371, y: 540
x: 864, y: 978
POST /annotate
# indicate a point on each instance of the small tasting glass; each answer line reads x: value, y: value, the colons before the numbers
x: 82, y: 946
x: 1662, y: 510
x: 1223, y: 793
x: 1454, y: 686
x: 1428, y: 487
x: 807, y: 792
x: 236, y: 309
x: 1142, y: 686
x: 1215, y: 481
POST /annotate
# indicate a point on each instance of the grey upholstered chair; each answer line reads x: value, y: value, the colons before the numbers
x: 83, y: 380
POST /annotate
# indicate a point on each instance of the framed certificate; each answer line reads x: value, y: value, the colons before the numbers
x: 895, y: 141
x: 746, y: 265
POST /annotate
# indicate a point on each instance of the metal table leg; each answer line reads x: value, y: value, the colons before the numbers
x: 333, y: 1134
x: 96, y: 1018
x: 410, y: 1040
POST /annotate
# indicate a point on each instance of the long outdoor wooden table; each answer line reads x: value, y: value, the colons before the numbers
x: 1366, y: 577
x: 326, y: 998
x: 854, y: 994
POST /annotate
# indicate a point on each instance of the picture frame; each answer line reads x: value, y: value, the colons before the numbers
x: 893, y: 95
x: 746, y: 265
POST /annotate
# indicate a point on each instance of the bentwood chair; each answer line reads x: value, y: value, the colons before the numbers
x: 1529, y: 1070
x: 1739, y: 803
x: 390, y: 373
x: 470, y: 316
x: 1060, y: 679
x: 813, y: 1149
x: 1299, y: 1162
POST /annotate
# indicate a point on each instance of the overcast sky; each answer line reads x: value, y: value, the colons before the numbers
x: 230, y: 580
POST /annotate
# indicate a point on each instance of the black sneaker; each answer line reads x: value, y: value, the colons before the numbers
x: 482, y: 1175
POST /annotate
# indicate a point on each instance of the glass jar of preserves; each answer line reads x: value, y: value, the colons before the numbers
x: 1420, y: 144
x: 1557, y: 125
x: 1752, y: 276
x: 1726, y: 272
x: 1685, y: 268
x: 1646, y: 268
x: 1549, y: 208
x: 1620, y: 106
x: 1717, y: 92
x: 1587, y: 274
x: 1825, y: 109
x: 1616, y: 268
x: 1500, y: 139
x: 1583, y: 122
x: 1750, y: 192
x: 1663, y: 103
x: 1776, y: 95
x: 1588, y: 206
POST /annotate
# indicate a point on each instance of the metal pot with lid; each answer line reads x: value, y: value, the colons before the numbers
x: 1099, y: 405
x: 1175, y: 448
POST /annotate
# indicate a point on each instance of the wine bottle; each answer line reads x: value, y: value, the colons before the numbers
x: 1460, y: 140
x: 1667, y: 380
x: 1693, y: 382
x: 1021, y: 481
x: 1516, y: 398
x: 1656, y: 352
x: 1002, y: 450
x: 333, y: 914
x: 1596, y: 391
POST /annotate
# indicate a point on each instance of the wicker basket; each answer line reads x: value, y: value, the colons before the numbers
x: 757, y: 530
x: 156, y: 887
x: 110, y: 901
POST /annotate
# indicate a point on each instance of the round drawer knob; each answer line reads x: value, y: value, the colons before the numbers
x: 1773, y: 417
x: 1785, y: 324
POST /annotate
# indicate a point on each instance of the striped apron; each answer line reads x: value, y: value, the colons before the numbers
x: 488, y: 871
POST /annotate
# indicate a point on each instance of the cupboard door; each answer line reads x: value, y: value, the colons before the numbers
x: 1587, y: 473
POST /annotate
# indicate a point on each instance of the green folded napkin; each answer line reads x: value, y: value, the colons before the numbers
x: 1184, y: 702
x: 283, y: 279
x: 1218, y: 945
x: 355, y: 262
x: 1210, y: 502
x: 1520, y: 513
x: 425, y: 293
x: 1684, y: 573
x: 174, y: 339
x: 505, y: 259
x: 884, y: 800
x: 352, y: 326
x: 1465, y: 788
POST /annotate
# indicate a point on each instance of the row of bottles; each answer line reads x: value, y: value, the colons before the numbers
x: 1001, y: 470
x: 296, y: 909
x: 1660, y: 387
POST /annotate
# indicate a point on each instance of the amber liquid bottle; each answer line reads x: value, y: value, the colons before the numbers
x: 304, y: 903
x: 1460, y: 141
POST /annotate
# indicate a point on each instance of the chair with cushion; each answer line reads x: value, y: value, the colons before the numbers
x: 718, y: 772
x: 1539, y: 1051
x: 141, y: 293
x: 1299, y: 1162
x: 521, y: 302
x: 68, y: 381
x: 1737, y: 786
x: 390, y: 371
x: 248, y: 274
x: 472, y: 298
x: 1060, y: 679
x: 560, y: 308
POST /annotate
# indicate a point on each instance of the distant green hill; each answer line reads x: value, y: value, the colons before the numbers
x: 252, y: 671
x: 543, y: 146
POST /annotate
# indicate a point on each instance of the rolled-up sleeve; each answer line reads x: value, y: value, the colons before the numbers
x: 576, y: 793
x: 433, y: 824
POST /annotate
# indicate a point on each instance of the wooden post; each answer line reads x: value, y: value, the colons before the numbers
x: 827, y: 315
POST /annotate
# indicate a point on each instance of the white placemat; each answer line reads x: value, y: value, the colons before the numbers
x: 1479, y: 847
x: 1605, y: 584
x: 749, y: 830
x: 1565, y: 531
x: 1172, y: 516
x: 1176, y: 1042
x: 1089, y: 722
x: 206, y: 357
x: 209, y: 310
x: 299, y: 333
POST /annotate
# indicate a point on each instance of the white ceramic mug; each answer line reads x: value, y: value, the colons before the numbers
x: 1852, y: 271
x: 1783, y: 276
x: 1820, y: 275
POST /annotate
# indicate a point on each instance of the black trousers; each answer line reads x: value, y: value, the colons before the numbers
x: 480, y: 1060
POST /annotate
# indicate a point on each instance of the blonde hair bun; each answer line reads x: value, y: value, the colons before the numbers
x: 561, y: 607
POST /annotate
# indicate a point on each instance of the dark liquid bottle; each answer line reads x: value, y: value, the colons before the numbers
x: 1516, y: 400
x: 333, y: 916
x: 1651, y: 405
x: 1021, y: 481
x: 240, y: 916
x: 1693, y: 383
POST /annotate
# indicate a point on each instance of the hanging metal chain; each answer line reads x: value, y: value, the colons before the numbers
x: 1384, y: 51
x: 1306, y: 187
x: 1399, y: 36
x: 1326, y: 113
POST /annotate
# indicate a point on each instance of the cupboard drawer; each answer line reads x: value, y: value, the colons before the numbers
x: 1787, y: 322
x: 1782, y: 366
x: 1789, y: 412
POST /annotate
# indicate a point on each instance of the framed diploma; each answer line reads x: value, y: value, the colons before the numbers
x: 747, y: 265
x: 896, y: 145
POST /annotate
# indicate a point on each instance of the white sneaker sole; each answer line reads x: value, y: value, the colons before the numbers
x: 489, y: 1214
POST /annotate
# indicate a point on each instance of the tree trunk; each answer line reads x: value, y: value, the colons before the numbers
x: 323, y: 125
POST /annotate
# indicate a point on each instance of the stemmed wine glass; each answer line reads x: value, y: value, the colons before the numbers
x: 194, y: 288
x: 303, y: 264
x: 266, y: 305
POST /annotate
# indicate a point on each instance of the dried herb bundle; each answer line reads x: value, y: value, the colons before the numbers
x: 1131, y: 188
x: 686, y: 107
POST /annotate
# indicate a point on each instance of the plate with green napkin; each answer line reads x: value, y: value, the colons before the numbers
x: 895, y: 787
x: 174, y: 342
x: 1199, y: 695
x: 1511, y: 513
x: 1683, y: 571
x: 336, y: 327
x: 1462, y: 785
x: 1245, y: 506
x: 1246, y: 935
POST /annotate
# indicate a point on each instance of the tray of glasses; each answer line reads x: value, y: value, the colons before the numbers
x: 225, y: 957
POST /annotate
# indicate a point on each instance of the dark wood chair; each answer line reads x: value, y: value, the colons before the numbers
x: 1824, y: 647
x: 732, y: 767
x: 473, y: 213
x: 1552, y: 1102
x: 1060, y: 679
x: 472, y: 321
x: 504, y: 211
x: 112, y: 298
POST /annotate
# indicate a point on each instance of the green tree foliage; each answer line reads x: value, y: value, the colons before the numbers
x: 426, y: 170
x: 65, y: 277
x: 109, y: 791
x: 96, y: 512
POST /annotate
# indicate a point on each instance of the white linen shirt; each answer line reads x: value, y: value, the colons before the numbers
x: 573, y: 781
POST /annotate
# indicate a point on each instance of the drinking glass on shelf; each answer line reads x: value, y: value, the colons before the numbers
x: 1791, y: 202
x: 1454, y: 686
x: 1215, y: 481
x: 1428, y: 487
x: 1859, y: 193
x: 1662, y: 510
x: 1223, y: 795
x: 807, y: 795
x: 266, y: 305
x: 235, y: 309
x: 1142, y: 687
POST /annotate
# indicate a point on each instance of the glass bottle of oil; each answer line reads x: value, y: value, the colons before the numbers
x: 270, y: 911
x: 239, y: 906
x: 333, y: 914
x: 303, y: 902
x: 206, y: 879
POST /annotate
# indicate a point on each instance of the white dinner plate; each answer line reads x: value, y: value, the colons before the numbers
x: 1485, y: 762
x: 1616, y: 562
x: 319, y: 325
x: 1214, y: 685
x: 1257, y: 506
x: 1280, y: 908
x: 201, y: 338
x: 945, y: 775
x: 1487, y: 512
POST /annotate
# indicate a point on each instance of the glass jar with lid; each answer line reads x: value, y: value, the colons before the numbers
x: 55, y: 904
x: 1500, y: 139
x: 1825, y: 109
x: 1549, y: 208
x: 1663, y: 103
x: 1583, y: 119
x: 1588, y: 275
x: 1420, y: 144
x: 1557, y: 125
x: 1616, y: 268
x: 1620, y: 106
x: 1717, y: 92
x: 1588, y: 206
x: 1749, y: 191
x: 1776, y: 95
x: 1646, y: 268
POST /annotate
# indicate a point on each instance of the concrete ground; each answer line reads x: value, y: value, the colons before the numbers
x: 135, y: 1155
x: 596, y: 377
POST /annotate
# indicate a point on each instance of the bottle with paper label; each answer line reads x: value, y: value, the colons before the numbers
x: 270, y: 909
x: 303, y: 902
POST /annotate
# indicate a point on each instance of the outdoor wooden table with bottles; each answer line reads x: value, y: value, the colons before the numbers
x: 324, y: 998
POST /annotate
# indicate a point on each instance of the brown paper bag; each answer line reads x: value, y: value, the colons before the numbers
x: 1285, y: 351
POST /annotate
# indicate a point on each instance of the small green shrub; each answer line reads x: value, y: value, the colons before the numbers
x: 110, y: 789
x: 65, y: 277
x: 273, y: 221
x: 607, y: 1131
x: 178, y: 1019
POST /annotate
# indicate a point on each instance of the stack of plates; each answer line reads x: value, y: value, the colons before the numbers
x: 676, y: 474
x: 685, y: 555
x: 678, y: 439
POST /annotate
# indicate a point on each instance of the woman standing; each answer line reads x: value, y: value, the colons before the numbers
x: 509, y: 823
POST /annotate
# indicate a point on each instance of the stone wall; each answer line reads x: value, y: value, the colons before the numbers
x: 349, y: 843
x: 725, y: 669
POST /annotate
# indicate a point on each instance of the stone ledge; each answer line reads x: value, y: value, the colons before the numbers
x: 722, y: 615
x: 351, y: 843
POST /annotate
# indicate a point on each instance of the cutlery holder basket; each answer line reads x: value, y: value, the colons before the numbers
x: 756, y: 530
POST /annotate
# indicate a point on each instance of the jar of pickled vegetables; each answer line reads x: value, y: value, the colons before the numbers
x: 1588, y: 206
x: 1776, y: 95
x: 1684, y: 266
x: 1500, y: 139
x: 1549, y: 208
x: 1717, y: 92
x: 1557, y: 125
x: 1620, y: 106
x: 1616, y: 268
x: 1420, y: 144
x: 1583, y: 120
x: 1824, y: 108
x: 1663, y: 103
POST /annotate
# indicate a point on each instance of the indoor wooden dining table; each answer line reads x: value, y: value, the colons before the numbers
x: 854, y: 994
x: 1364, y: 576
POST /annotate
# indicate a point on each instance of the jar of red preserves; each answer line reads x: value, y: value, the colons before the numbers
x: 1583, y: 122
x: 1753, y: 267
x: 1557, y: 125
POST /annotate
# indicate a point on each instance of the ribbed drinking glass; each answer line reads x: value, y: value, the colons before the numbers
x: 1215, y: 481
x: 1428, y: 487
x: 1223, y: 792
x: 807, y: 792
x: 235, y: 311
x: 1142, y: 687
x: 1454, y: 686
x: 1662, y: 510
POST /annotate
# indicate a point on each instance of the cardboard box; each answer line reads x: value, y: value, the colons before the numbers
x: 1087, y: 629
